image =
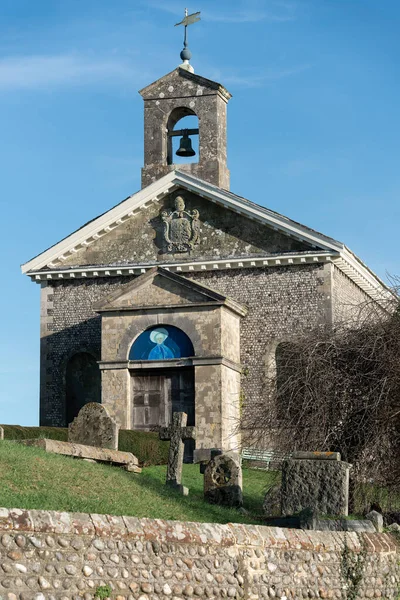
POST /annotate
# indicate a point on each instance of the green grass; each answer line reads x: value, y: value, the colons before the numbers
x: 30, y: 478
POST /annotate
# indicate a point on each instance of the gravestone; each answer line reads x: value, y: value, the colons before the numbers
x: 177, y: 433
x: 318, y: 481
x: 223, y: 480
x: 94, y: 427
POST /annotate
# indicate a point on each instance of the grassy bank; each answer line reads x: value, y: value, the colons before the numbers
x: 30, y: 478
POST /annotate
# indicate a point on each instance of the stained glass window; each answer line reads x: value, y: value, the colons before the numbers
x: 161, y: 343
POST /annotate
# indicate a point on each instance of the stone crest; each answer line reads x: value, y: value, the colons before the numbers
x: 181, y: 227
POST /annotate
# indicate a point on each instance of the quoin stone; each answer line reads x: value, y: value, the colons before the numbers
x: 94, y: 427
x: 177, y: 433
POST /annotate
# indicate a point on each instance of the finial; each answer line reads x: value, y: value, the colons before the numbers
x: 186, y: 55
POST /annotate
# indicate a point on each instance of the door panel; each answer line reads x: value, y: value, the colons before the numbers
x: 156, y: 395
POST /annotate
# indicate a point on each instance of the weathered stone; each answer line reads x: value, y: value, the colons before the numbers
x: 1, y: 433
x: 223, y: 481
x: 94, y: 427
x: 315, y: 455
x: 321, y: 485
x: 177, y: 433
x: 394, y: 528
x: 376, y: 519
x: 80, y: 451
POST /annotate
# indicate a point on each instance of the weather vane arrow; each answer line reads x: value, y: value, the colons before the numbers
x: 189, y: 19
x: 186, y: 55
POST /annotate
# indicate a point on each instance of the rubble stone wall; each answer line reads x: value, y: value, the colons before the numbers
x: 62, y: 556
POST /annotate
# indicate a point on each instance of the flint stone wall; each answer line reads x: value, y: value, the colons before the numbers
x: 281, y: 300
x: 62, y: 556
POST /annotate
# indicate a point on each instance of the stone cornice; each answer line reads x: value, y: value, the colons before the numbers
x: 195, y: 361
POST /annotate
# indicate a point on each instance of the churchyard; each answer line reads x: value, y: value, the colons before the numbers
x: 99, y: 524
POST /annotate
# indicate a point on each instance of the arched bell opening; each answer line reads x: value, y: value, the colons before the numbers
x: 183, y: 137
x: 162, y: 387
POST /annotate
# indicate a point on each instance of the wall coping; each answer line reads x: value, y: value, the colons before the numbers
x: 214, y: 534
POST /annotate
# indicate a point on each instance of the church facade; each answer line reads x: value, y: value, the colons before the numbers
x: 177, y: 298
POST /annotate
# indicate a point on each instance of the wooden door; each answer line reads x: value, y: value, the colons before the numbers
x: 158, y: 394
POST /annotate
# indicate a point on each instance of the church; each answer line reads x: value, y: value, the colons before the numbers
x: 177, y: 298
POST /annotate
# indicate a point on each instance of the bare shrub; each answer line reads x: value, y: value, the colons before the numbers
x: 338, y: 389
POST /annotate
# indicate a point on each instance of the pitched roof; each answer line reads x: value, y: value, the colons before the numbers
x: 326, y: 248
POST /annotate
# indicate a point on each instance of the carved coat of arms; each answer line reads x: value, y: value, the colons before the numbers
x: 181, y: 227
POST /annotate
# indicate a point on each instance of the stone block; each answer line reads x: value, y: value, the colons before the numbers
x: 316, y: 455
x: 116, y: 457
x: 320, y: 485
x: 223, y: 481
x: 1, y: 433
x: 94, y: 427
x: 376, y: 519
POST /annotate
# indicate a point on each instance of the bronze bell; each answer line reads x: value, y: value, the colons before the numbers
x: 185, y: 146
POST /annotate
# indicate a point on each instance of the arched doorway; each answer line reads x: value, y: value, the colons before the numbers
x: 161, y: 387
x: 83, y: 383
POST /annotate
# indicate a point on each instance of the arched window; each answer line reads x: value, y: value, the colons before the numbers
x: 161, y: 342
x: 83, y: 383
x: 182, y: 124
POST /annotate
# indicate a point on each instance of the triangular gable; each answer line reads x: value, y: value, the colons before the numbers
x: 118, y: 215
x: 208, y: 84
x: 169, y: 289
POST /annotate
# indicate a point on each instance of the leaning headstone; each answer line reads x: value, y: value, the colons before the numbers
x: 1, y: 433
x: 177, y: 433
x: 376, y: 519
x: 94, y: 427
x: 315, y: 480
x: 223, y: 481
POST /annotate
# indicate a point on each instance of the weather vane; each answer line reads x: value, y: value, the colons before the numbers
x: 186, y: 55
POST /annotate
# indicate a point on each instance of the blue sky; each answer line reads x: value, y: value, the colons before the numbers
x: 313, y: 127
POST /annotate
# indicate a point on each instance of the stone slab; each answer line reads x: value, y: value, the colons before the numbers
x: 1, y: 433
x: 301, y: 455
x: 87, y: 452
x: 94, y: 427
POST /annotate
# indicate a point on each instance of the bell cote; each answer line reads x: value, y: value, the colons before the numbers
x: 166, y: 103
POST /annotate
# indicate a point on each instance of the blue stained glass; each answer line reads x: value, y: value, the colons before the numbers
x: 161, y: 343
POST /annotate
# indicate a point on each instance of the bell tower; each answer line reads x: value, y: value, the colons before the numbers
x: 179, y: 94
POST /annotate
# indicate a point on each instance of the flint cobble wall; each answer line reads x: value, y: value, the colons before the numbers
x: 62, y: 556
x: 281, y: 302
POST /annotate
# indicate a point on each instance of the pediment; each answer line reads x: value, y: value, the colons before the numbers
x: 159, y: 288
x: 133, y: 232
x: 166, y: 84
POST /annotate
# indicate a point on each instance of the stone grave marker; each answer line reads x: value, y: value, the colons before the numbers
x: 94, y: 427
x: 318, y: 481
x: 223, y: 480
x: 177, y: 433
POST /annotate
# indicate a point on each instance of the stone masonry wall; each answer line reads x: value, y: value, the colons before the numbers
x: 61, y: 556
x: 349, y: 301
x: 281, y: 301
